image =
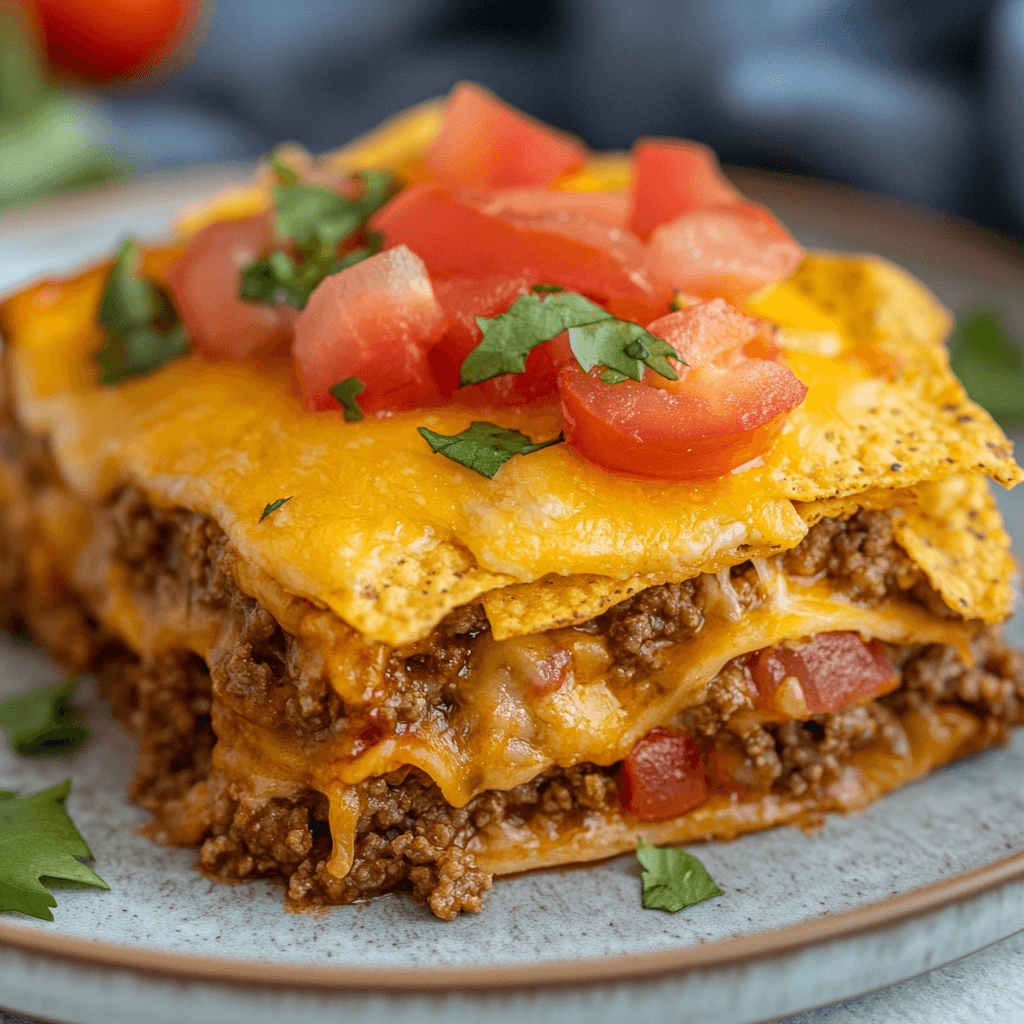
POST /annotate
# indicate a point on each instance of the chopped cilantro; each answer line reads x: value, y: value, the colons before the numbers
x: 483, y: 447
x: 273, y: 507
x: 39, y: 840
x: 345, y: 392
x: 672, y: 879
x: 318, y: 221
x: 595, y: 335
x: 990, y: 362
x: 42, y: 721
x: 142, y: 327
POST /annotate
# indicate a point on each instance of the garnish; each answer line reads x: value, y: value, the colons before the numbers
x: 483, y: 447
x: 596, y: 337
x: 543, y: 289
x: 42, y: 721
x: 274, y: 506
x: 39, y: 840
x: 142, y: 327
x: 990, y: 363
x: 318, y: 221
x: 672, y: 879
x: 345, y: 392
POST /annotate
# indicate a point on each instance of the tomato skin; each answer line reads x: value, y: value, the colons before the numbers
x: 204, y: 285
x: 832, y: 671
x: 99, y: 40
x: 729, y: 251
x: 484, y: 141
x: 455, y: 237
x: 663, y: 776
x: 727, y: 407
x: 672, y: 177
x: 464, y: 299
x: 376, y: 321
x: 607, y: 208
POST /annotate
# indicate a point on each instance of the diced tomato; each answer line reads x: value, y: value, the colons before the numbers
x: 539, y: 663
x: 672, y: 177
x: 375, y: 321
x: 608, y: 208
x: 728, y: 251
x: 484, y: 141
x: 663, y: 776
x: 204, y: 284
x: 456, y: 237
x: 727, y: 407
x: 463, y: 300
x: 829, y: 672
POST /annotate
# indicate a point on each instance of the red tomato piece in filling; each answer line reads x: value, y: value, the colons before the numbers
x: 484, y: 141
x: 728, y: 251
x: 663, y: 776
x: 204, y: 284
x: 727, y: 407
x: 671, y: 177
x: 829, y: 672
x: 463, y: 300
x: 375, y: 321
x: 455, y: 236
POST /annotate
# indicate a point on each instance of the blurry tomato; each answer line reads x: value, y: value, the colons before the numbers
x: 204, y: 284
x: 728, y: 251
x: 663, y: 776
x: 484, y: 141
x: 829, y: 672
x: 726, y: 408
x: 375, y: 321
x: 670, y: 177
x: 608, y: 208
x: 110, y: 39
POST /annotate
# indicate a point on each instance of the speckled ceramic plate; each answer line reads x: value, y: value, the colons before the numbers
x: 929, y: 874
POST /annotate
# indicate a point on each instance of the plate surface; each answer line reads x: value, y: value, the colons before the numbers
x: 930, y: 873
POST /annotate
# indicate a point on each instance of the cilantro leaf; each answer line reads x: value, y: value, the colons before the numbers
x: 345, y: 392
x: 42, y: 721
x: 672, y: 879
x: 483, y: 447
x: 624, y: 347
x: 595, y: 336
x: 273, y: 506
x: 142, y: 327
x: 39, y: 840
x: 530, y: 321
x: 318, y: 221
x: 990, y: 363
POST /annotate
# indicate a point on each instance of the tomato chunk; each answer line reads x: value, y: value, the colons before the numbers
x: 829, y: 672
x: 484, y: 141
x: 663, y: 776
x: 729, y: 251
x: 608, y: 208
x: 463, y: 300
x: 204, y: 285
x: 455, y: 236
x: 375, y: 321
x: 727, y: 407
x: 670, y: 178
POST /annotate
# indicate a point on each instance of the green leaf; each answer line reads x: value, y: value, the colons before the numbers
x: 142, y: 327
x: 672, y: 879
x: 542, y: 289
x: 273, y: 507
x: 345, y: 392
x: 42, y: 721
x: 624, y: 347
x: 510, y: 337
x: 318, y: 221
x: 39, y: 840
x: 483, y: 447
x: 990, y: 363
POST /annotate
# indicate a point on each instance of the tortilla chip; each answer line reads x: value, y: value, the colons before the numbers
x: 954, y: 532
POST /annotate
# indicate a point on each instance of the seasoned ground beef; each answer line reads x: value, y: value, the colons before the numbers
x: 407, y: 835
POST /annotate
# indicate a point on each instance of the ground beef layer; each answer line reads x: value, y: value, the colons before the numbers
x: 407, y: 835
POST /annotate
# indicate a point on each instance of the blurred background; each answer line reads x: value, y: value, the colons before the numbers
x: 919, y: 99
